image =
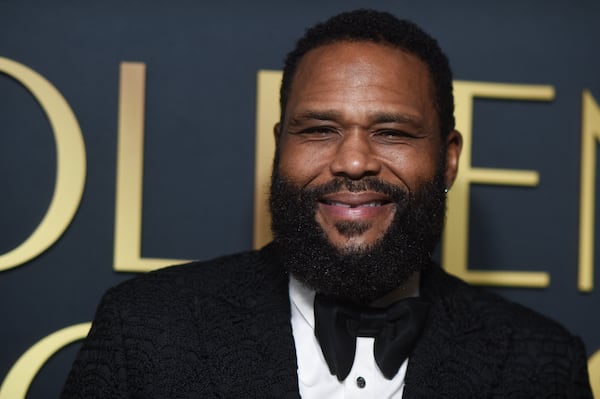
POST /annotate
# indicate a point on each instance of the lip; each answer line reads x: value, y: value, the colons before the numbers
x: 354, y: 200
x: 355, y: 206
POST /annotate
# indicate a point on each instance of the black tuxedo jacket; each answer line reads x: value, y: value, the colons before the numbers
x: 221, y: 329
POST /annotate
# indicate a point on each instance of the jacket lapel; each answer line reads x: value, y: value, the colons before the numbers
x: 457, y: 356
x: 261, y: 361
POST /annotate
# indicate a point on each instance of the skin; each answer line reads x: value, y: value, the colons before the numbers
x: 356, y: 110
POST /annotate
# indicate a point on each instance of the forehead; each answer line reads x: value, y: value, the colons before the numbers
x: 362, y: 73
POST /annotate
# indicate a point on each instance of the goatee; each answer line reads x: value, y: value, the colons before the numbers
x: 358, y: 274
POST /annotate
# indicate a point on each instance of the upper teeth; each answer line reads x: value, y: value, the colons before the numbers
x: 373, y: 203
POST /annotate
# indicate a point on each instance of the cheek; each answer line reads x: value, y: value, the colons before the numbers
x: 302, y: 165
x: 411, y: 165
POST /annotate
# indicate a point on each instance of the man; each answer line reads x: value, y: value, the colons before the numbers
x: 346, y: 301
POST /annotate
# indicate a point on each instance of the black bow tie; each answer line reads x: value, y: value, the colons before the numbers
x: 396, y: 330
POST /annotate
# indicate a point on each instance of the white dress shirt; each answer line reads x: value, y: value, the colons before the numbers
x: 314, y: 378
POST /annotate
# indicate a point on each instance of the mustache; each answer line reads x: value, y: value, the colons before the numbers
x: 369, y: 183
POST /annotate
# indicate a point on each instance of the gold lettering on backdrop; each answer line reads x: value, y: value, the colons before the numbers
x: 130, y: 169
x: 456, y: 235
x: 70, y: 165
x: 594, y: 371
x: 590, y: 133
x: 20, y: 376
x: 267, y: 114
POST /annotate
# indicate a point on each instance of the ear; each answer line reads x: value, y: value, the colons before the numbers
x: 277, y: 133
x: 453, y: 148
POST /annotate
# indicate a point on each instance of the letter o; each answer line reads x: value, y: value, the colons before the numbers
x: 20, y: 376
x: 70, y: 165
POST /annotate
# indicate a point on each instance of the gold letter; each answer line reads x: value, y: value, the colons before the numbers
x: 455, y: 248
x: 594, y: 370
x: 267, y: 114
x: 70, y: 165
x: 20, y: 376
x: 130, y: 166
x: 590, y: 132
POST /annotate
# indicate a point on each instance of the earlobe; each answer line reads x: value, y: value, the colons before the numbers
x: 453, y: 149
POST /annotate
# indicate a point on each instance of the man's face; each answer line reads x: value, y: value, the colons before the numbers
x: 361, y: 138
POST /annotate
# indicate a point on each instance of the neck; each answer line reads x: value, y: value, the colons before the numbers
x: 409, y: 289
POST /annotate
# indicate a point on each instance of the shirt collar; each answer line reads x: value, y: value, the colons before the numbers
x: 303, y: 299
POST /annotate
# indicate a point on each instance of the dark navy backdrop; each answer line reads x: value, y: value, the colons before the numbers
x: 202, y: 61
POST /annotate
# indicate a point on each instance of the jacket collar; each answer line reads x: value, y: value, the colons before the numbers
x: 457, y: 356
x: 258, y: 357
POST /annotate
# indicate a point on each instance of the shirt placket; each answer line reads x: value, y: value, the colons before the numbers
x: 360, y: 383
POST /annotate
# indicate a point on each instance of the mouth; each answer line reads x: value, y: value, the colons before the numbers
x: 359, y: 207
x: 355, y: 200
x: 365, y: 205
x: 354, y: 214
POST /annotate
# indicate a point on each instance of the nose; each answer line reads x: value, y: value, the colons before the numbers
x: 354, y: 157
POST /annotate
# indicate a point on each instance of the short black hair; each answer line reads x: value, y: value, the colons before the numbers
x: 365, y: 25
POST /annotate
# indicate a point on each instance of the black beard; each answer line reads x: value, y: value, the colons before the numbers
x: 359, y: 274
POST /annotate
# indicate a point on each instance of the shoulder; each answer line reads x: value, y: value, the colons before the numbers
x: 521, y: 348
x: 232, y: 277
x: 479, y: 306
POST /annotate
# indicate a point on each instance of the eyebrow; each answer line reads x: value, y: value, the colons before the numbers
x: 385, y: 117
x: 314, y: 115
x: 331, y: 115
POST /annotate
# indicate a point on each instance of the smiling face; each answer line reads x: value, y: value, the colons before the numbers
x: 357, y: 193
x: 358, y: 110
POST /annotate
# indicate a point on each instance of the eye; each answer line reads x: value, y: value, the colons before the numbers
x: 392, y: 135
x: 319, y: 132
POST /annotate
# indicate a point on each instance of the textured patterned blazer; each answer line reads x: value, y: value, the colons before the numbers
x: 221, y: 329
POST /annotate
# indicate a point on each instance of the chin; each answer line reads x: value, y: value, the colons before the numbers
x: 354, y: 246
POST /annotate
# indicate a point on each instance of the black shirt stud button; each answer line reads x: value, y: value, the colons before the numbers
x: 361, y: 382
